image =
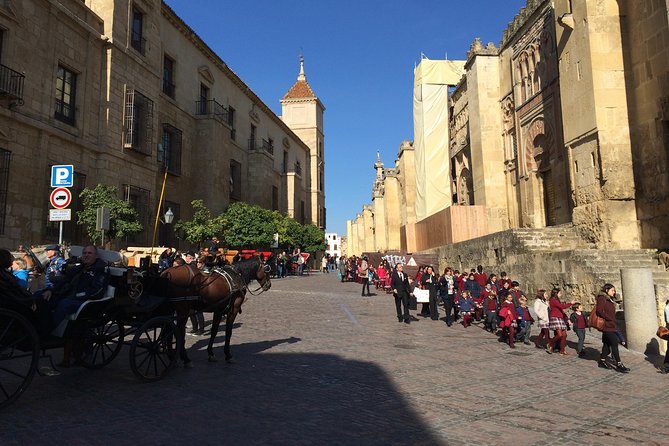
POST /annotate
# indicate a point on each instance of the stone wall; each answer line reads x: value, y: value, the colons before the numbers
x: 549, y: 257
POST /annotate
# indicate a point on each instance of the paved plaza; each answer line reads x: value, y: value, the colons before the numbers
x: 316, y: 363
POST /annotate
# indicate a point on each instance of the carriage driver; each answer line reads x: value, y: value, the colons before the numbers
x: 54, y: 272
x: 86, y: 281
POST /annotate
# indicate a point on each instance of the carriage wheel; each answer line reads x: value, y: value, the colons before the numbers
x: 101, y: 344
x: 19, y: 354
x: 154, y: 348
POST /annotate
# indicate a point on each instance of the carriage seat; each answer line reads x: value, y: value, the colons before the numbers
x: 88, y: 309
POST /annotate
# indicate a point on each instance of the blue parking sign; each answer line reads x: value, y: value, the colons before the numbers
x: 62, y: 176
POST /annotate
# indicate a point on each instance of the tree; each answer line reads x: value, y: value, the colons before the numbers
x: 289, y: 230
x: 202, y: 227
x: 123, y: 219
x: 249, y: 226
x: 313, y: 238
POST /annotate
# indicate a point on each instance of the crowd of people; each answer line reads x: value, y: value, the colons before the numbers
x: 494, y: 302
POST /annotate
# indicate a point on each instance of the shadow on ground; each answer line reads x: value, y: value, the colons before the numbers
x: 264, y: 398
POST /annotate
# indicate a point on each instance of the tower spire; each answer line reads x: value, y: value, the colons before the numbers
x: 302, y: 76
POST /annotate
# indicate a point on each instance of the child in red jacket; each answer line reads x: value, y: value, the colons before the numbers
x: 509, y: 320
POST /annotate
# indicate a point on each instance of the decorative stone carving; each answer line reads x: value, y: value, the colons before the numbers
x: 205, y: 72
x: 477, y: 48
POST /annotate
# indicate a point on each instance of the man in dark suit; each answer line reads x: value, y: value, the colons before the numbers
x: 400, y: 285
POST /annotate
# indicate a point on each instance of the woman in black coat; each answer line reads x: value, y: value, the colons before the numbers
x: 430, y: 283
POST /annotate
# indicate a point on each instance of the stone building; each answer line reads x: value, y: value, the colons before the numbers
x: 559, y: 138
x: 124, y: 90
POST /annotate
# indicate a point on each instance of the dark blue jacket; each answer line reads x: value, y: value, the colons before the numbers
x: 84, y: 283
x: 473, y: 287
x: 54, y: 272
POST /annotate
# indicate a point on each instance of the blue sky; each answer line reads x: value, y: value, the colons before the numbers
x: 359, y: 60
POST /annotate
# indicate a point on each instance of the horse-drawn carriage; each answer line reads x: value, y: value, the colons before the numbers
x: 142, y: 310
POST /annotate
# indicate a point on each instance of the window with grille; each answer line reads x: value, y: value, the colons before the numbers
x: 72, y: 232
x: 66, y: 88
x: 284, y: 165
x: 169, y: 151
x: 137, y: 40
x: 275, y: 198
x: 231, y: 122
x: 168, y: 76
x: 5, y: 157
x: 138, y: 122
x: 235, y: 180
x: 302, y: 214
x: 252, y: 137
x: 139, y: 201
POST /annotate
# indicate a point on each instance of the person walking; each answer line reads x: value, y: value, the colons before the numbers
x: 364, y: 276
x: 447, y: 293
x: 400, y: 285
x: 557, y: 321
x: 429, y: 282
x: 541, y: 310
x: 606, y: 309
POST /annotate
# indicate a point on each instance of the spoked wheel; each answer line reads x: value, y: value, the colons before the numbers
x: 101, y: 344
x: 19, y: 355
x: 154, y: 348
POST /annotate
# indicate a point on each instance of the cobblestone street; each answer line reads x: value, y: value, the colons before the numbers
x: 316, y: 363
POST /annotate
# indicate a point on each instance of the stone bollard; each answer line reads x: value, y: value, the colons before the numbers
x: 640, y: 310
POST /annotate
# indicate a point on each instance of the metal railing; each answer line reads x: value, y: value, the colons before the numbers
x: 11, y: 82
x: 211, y: 108
x: 298, y: 169
x: 261, y: 144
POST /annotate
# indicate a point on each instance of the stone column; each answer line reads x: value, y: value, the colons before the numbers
x: 640, y: 309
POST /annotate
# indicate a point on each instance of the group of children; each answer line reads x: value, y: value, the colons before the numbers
x: 503, y: 309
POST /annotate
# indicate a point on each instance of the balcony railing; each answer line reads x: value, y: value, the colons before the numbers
x: 261, y: 144
x: 212, y: 109
x: 11, y: 83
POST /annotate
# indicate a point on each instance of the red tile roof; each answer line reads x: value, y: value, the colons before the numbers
x: 300, y: 90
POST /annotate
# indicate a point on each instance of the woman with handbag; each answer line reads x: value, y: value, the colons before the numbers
x: 665, y: 365
x: 606, y: 309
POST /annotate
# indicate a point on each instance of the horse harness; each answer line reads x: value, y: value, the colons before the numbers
x: 232, y: 276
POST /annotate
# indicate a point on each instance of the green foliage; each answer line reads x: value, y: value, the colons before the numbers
x: 123, y: 219
x: 290, y: 231
x: 202, y: 227
x: 313, y: 238
x: 248, y: 226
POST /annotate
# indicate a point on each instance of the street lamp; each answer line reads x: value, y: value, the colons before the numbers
x: 169, y: 216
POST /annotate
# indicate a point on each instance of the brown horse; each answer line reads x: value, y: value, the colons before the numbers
x: 221, y: 292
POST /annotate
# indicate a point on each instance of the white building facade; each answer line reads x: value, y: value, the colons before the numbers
x: 333, y: 244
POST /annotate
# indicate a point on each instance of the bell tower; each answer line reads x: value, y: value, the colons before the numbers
x: 302, y: 112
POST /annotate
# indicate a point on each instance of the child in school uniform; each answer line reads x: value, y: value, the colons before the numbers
x: 525, y: 322
x: 509, y: 320
x: 579, y: 322
x: 467, y: 306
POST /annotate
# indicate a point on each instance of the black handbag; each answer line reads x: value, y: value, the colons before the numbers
x: 413, y: 303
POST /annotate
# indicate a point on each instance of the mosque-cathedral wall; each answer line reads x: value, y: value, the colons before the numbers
x: 565, y: 122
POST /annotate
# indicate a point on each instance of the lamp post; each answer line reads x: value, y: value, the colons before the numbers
x: 169, y: 216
